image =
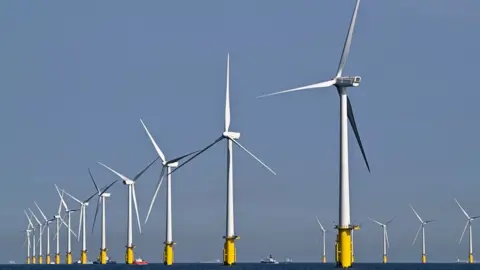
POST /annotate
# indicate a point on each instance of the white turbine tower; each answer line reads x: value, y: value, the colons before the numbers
x: 168, y: 165
x: 422, y: 228
x: 130, y: 183
x: 29, y: 229
x: 386, y: 243
x: 47, y: 224
x: 40, y: 228
x: 34, y: 229
x: 83, y: 224
x: 324, y: 256
x: 229, y: 251
x: 469, y: 225
x: 342, y: 83
x: 68, y: 256
x: 102, y: 196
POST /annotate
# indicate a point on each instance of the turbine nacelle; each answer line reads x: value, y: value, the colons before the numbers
x: 128, y: 182
x: 348, y: 81
x: 56, y: 217
x: 172, y: 165
x: 231, y: 135
x: 105, y: 195
x: 85, y: 204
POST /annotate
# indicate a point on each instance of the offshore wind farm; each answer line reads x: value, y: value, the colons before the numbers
x: 120, y: 192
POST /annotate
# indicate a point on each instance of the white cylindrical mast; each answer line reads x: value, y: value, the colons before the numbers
x: 129, y: 221
x: 40, y: 253
x: 169, y: 234
x: 34, y: 253
x: 384, y: 240
x: 423, y: 240
x: 48, y: 238
x: 470, y: 248
x: 230, y: 218
x: 84, y: 228
x: 69, y: 236
x: 29, y: 245
x: 344, y: 215
x: 323, y: 244
x: 57, y: 229
x: 104, y: 236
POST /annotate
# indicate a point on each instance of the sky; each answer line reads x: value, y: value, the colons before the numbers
x: 76, y: 77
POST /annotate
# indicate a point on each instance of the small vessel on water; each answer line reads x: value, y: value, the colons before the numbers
x: 269, y: 260
x: 80, y: 262
x: 288, y: 260
x: 140, y: 261
x: 109, y: 261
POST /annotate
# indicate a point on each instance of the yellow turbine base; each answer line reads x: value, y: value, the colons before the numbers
x: 102, y: 258
x: 68, y: 259
x: 34, y: 260
x: 48, y: 259
x: 28, y: 260
x: 385, y: 258
x: 345, y: 257
x: 57, y: 258
x: 229, y: 251
x: 470, y: 258
x: 83, y: 257
x: 337, y: 251
x: 129, y: 255
x: 168, y: 254
x: 324, y: 259
x: 40, y: 259
x: 424, y: 258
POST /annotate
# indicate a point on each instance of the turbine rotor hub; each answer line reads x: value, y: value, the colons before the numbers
x: 348, y: 81
x: 231, y: 135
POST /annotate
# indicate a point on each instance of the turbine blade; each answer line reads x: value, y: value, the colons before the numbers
x: 348, y: 41
x: 381, y: 224
x: 463, y: 210
x: 40, y: 210
x: 93, y: 180
x: 136, y: 208
x: 386, y: 236
x: 474, y: 217
x: 227, y: 96
x: 66, y: 225
x: 24, y: 242
x: 311, y: 86
x: 353, y: 124
x: 197, y: 154
x: 35, y: 217
x: 29, y: 220
x: 159, y: 152
x: 319, y: 223
x: 71, y: 196
x: 159, y: 184
x: 96, y: 213
x: 123, y: 177
x: 461, y: 237
x: 416, y: 236
x: 91, y: 197
x: 419, y: 218
x: 108, y: 187
x: 252, y: 155
x: 61, y: 197
x: 428, y: 221
x: 391, y: 220
x: 144, y: 170
x: 80, y: 223
x: 182, y: 157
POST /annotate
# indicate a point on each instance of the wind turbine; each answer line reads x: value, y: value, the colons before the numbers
x: 342, y: 83
x: 130, y: 183
x: 422, y: 227
x: 386, y: 243
x: 469, y: 225
x: 40, y: 227
x: 231, y: 137
x: 102, y: 196
x: 68, y: 258
x: 47, y: 224
x: 166, y: 165
x: 28, y: 231
x: 34, y: 254
x: 83, y: 224
x: 324, y: 256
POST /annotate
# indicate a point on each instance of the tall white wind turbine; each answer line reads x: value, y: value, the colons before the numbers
x: 130, y: 183
x: 47, y: 224
x: 386, y: 242
x: 324, y: 256
x: 342, y: 83
x: 34, y: 229
x: 469, y: 225
x: 40, y: 228
x: 166, y: 165
x: 422, y: 228
x: 229, y: 251
x: 68, y: 255
x: 28, y: 231
x: 102, y: 196
x: 83, y: 224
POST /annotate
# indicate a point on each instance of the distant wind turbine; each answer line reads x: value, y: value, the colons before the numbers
x: 386, y: 242
x: 58, y: 217
x: 422, y: 228
x: 469, y: 225
x: 324, y: 256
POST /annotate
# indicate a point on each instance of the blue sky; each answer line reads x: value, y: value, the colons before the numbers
x: 76, y: 78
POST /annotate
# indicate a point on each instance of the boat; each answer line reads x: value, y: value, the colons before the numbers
x: 269, y: 260
x: 140, y: 261
x: 109, y: 261
x: 288, y: 260
x: 80, y: 262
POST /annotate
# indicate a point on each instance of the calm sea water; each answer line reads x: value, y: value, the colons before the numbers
x: 253, y: 266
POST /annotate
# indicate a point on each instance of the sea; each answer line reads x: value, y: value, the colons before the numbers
x: 252, y: 266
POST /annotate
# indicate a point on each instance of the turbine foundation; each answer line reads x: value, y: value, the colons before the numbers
x: 102, y: 258
x: 34, y: 260
x: 345, y: 255
x: 168, y: 253
x: 385, y: 258
x: 57, y: 258
x: 40, y: 259
x: 129, y: 255
x: 83, y: 256
x: 424, y: 258
x: 48, y: 259
x: 324, y: 259
x: 229, y: 250
x: 470, y: 258
x: 28, y: 260
x: 68, y: 259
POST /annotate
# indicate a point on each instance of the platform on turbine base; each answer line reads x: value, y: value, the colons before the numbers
x: 83, y: 257
x: 102, y: 258
x: 229, y: 250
